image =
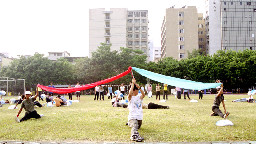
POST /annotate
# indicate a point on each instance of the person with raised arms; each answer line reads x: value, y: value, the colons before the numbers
x: 135, y: 110
x: 219, y: 98
x: 28, y: 105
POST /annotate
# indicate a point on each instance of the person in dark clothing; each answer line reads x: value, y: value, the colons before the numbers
x: 186, y: 92
x: 69, y: 94
x: 200, y: 94
x: 28, y: 105
x: 219, y: 98
x: 154, y: 106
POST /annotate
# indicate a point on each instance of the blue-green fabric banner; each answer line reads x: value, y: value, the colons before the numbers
x: 177, y: 82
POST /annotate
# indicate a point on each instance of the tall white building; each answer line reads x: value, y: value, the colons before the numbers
x: 232, y: 25
x: 118, y: 27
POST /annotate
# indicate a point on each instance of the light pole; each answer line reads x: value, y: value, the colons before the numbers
x: 24, y: 84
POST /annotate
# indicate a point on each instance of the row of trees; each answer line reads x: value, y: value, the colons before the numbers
x: 235, y: 69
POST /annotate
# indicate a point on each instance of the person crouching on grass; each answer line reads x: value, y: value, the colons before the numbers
x: 219, y: 98
x: 28, y: 105
x: 135, y: 110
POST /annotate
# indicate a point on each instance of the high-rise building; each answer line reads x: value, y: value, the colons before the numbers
x: 157, y: 54
x: 232, y: 25
x: 179, y: 32
x: 119, y: 27
x: 201, y: 34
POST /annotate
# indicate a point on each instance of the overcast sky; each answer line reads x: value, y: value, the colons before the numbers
x: 29, y: 26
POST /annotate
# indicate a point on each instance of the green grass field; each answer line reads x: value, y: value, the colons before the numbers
x: 98, y: 121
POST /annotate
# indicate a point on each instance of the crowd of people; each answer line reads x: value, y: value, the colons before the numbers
x: 134, y: 102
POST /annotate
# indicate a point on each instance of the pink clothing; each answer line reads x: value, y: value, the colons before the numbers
x: 178, y: 89
x: 149, y: 88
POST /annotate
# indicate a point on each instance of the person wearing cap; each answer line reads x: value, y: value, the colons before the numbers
x: 135, y: 110
x: 28, y: 105
x: 219, y: 98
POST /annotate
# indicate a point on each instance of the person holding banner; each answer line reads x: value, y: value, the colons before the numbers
x: 135, y: 110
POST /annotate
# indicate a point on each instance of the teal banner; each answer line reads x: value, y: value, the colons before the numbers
x: 177, y: 82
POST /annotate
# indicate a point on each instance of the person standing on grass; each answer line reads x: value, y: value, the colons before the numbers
x: 186, y: 92
x: 149, y: 91
x: 158, y: 91
x: 122, y: 89
x: 69, y: 94
x: 51, y: 93
x: 219, y: 98
x: 40, y: 92
x: 96, y: 92
x: 110, y: 91
x: 135, y: 110
x: 165, y: 92
x: 200, y: 92
x: 78, y: 93
x: 101, y: 89
x: 28, y: 105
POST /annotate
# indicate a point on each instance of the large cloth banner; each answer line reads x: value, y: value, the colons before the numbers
x: 177, y: 82
x: 84, y: 87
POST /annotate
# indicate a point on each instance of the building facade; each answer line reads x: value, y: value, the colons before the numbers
x: 56, y: 55
x: 232, y: 25
x: 202, y: 40
x: 179, y: 32
x: 119, y: 27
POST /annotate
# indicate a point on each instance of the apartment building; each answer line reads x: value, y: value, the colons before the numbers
x: 119, y: 27
x: 179, y: 32
x: 202, y: 39
x: 56, y: 55
x: 232, y: 25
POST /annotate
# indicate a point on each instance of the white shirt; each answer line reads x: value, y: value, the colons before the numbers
x: 135, y: 108
x: 77, y: 86
x: 97, y: 88
x: 122, y: 88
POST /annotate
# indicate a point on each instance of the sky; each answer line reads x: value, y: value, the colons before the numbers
x: 29, y: 26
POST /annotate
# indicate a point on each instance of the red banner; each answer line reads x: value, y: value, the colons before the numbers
x: 84, y: 87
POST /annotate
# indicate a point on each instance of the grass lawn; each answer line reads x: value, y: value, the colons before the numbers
x: 98, y: 121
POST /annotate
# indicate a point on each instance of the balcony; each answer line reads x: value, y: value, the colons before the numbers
x: 107, y: 26
x: 107, y: 35
x: 107, y: 18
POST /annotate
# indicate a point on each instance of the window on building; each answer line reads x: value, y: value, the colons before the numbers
x: 182, y: 55
x: 137, y: 36
x: 181, y: 30
x: 144, y: 21
x: 201, y: 39
x: 181, y: 38
x: 200, y: 18
x: 201, y: 46
x: 59, y: 54
x: 137, y: 14
x: 200, y: 26
x: 181, y: 22
x: 250, y: 48
x: 143, y: 43
x: 130, y: 43
x: 181, y: 47
x: 143, y: 14
x: 225, y: 9
x: 136, y: 28
x: 143, y: 35
x: 107, y: 41
x: 129, y: 35
x: 144, y: 28
x: 181, y: 14
x: 225, y: 3
x: 129, y: 20
x: 241, y: 3
x: 137, y: 20
x: 231, y: 3
x: 137, y: 43
x: 249, y: 3
x: 130, y: 14
x: 129, y: 28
